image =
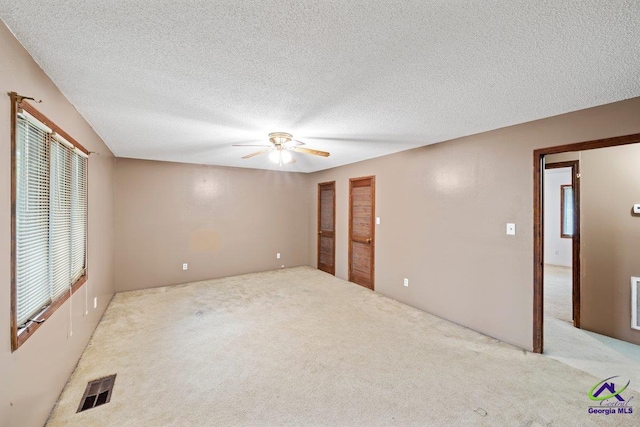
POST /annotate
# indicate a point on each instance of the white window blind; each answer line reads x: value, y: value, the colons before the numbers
x: 51, y: 216
x: 32, y: 218
x: 78, y: 214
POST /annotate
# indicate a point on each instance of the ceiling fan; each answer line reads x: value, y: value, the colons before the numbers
x: 282, y: 144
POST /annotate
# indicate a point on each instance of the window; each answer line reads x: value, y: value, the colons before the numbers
x: 567, y: 211
x: 49, y: 218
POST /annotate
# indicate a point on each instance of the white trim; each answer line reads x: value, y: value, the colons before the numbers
x: 63, y: 141
x: 635, y: 284
x: 79, y: 152
x: 69, y: 145
x: 37, y: 123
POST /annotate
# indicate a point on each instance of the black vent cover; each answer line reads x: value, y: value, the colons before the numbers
x: 98, y: 393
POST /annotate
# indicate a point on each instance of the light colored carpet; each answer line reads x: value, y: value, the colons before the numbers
x: 596, y: 354
x: 558, y: 293
x: 593, y: 353
x: 301, y: 347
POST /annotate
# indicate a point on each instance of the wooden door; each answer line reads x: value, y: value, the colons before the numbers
x: 362, y: 230
x: 327, y: 227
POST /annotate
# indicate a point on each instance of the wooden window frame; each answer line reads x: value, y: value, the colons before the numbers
x: 20, y: 337
x: 564, y: 235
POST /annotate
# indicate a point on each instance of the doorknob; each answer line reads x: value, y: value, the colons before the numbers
x: 320, y: 232
x: 369, y: 240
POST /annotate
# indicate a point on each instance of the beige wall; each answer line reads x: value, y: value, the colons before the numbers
x: 610, y: 239
x: 443, y: 212
x: 562, y: 157
x: 221, y: 221
x: 32, y: 377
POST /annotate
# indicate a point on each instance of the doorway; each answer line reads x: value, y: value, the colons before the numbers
x: 539, y: 226
x: 362, y: 231
x: 326, y: 227
x: 562, y: 240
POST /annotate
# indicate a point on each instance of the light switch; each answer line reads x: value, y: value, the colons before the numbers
x: 636, y: 209
x: 378, y: 220
x: 511, y: 229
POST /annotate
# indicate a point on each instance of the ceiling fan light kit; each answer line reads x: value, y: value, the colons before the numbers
x: 282, y: 146
x: 281, y: 156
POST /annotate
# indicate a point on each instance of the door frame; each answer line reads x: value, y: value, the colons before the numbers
x: 538, y: 224
x: 320, y: 185
x: 373, y: 225
x: 574, y: 165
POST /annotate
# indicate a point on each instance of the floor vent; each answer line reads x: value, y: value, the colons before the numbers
x: 98, y: 393
x: 635, y: 302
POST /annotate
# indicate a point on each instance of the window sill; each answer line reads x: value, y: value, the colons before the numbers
x: 20, y: 336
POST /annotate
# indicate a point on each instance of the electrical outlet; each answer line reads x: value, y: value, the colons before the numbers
x: 406, y: 282
x: 511, y: 229
x: 278, y: 255
x: 95, y: 302
x: 185, y: 266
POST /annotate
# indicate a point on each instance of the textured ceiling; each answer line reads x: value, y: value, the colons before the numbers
x: 183, y: 80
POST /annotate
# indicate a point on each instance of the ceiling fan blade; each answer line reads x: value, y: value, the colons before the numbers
x: 293, y: 143
x: 248, y: 156
x: 310, y: 151
x: 250, y: 145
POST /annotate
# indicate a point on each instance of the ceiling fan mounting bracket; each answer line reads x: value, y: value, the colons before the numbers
x: 280, y: 138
